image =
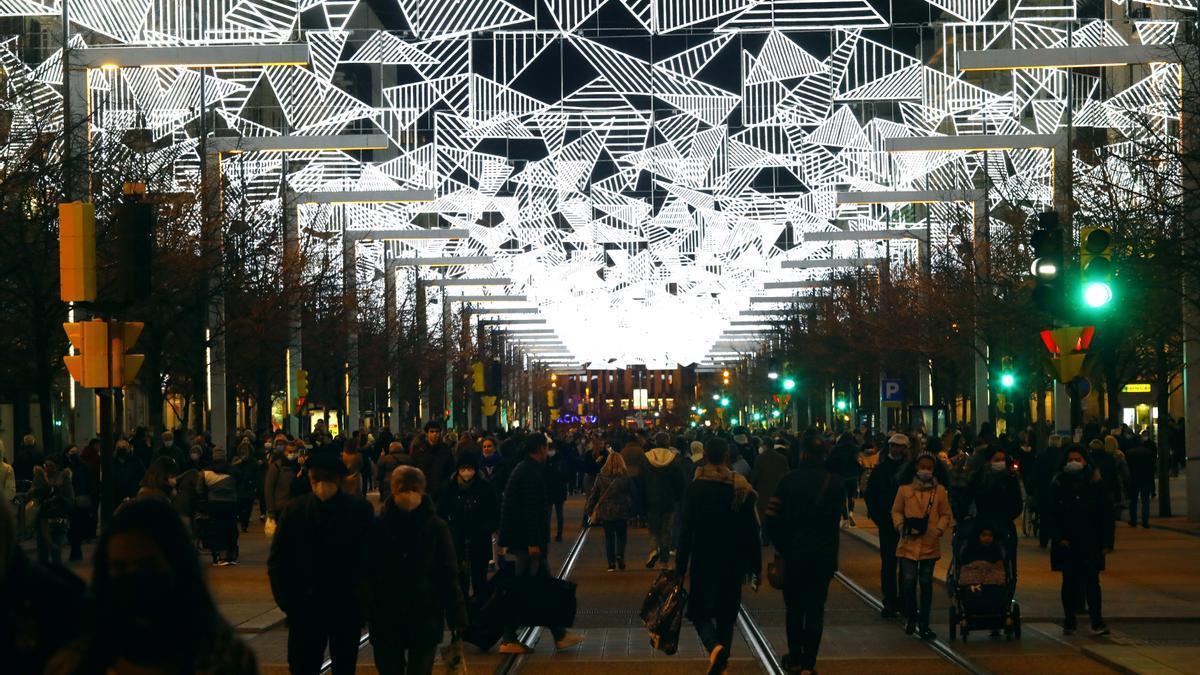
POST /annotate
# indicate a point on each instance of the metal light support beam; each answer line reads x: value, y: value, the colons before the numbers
x: 825, y: 263
x: 289, y: 143
x: 200, y: 56
x: 467, y: 281
x: 868, y: 235
x: 446, y: 261
x: 366, y: 197
x: 910, y: 197
x: 808, y: 283
x: 1067, y: 57
x: 969, y: 142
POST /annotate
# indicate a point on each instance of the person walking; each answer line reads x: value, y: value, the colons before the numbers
x: 394, y: 457
x: 993, y: 498
x: 802, y: 520
x: 662, y: 485
x: 525, y: 532
x: 1079, y: 519
x: 413, y: 580
x: 1142, y: 458
x: 127, y: 473
x: 880, y: 496
x: 844, y: 462
x: 218, y: 499
x: 921, y: 514
x: 769, y: 469
x: 610, y: 505
x: 320, y: 543
x: 558, y: 472
x: 471, y: 508
x: 281, y: 473
x: 83, y: 511
x: 249, y: 474
x: 719, y: 546
x: 54, y: 491
x: 25, y: 457
x: 151, y: 611
x: 432, y: 457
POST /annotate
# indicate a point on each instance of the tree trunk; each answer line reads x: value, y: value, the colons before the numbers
x: 262, y: 412
x: 1162, y: 383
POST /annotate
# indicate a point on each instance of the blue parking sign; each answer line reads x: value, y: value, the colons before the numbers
x: 891, y: 392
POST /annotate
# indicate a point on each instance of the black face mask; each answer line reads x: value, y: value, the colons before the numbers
x: 140, y: 620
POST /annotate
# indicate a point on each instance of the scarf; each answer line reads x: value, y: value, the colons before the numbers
x: 723, y: 474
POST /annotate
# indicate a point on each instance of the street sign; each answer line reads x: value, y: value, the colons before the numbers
x: 891, y: 393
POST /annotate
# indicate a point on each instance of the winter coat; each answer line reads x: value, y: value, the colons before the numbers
x: 1143, y: 462
x: 806, y: 531
x: 525, y: 511
x: 383, y: 472
x: 472, y: 510
x: 277, y: 487
x: 912, y: 501
x: 318, y: 554
x: 719, y: 542
x: 843, y: 459
x: 353, y: 482
x: 56, y: 495
x: 24, y: 459
x: 662, y: 481
x: 611, y: 500
x: 1110, y: 472
x: 881, y: 493
x: 41, y: 612
x: 186, y: 490
x: 217, y: 486
x: 768, y: 472
x: 436, y: 462
x: 557, y: 469
x: 127, y: 474
x: 413, y: 578
x: 996, y: 499
x: 1079, y: 511
x: 634, y: 457
x: 249, y: 477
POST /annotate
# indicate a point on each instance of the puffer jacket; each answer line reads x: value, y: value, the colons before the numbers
x: 912, y: 501
x: 611, y: 499
x: 217, y: 486
x: 524, y: 511
x: 662, y: 481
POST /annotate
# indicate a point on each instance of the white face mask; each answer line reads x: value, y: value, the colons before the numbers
x: 324, y: 490
x: 466, y: 474
x: 998, y: 466
x: 407, y: 501
x: 925, y: 475
x: 1073, y: 467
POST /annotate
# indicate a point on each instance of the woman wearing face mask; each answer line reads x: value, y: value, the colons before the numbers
x: 921, y: 514
x: 993, y: 496
x: 54, y: 491
x: 151, y: 610
x: 281, y: 472
x: 1079, y: 519
x: 159, y: 481
x: 611, y: 504
x: 413, y: 578
x: 469, y: 504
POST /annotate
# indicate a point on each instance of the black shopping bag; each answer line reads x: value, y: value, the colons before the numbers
x: 538, y: 601
x: 666, y: 620
x: 662, y: 586
x: 486, y: 621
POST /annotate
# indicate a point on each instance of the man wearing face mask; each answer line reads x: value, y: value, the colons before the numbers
x: 127, y: 472
x: 468, y: 503
x: 319, y: 543
x: 881, y: 494
x: 170, y: 448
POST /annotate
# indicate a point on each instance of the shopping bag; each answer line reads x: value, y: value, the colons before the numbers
x: 658, y: 592
x: 538, y: 601
x: 452, y: 657
x: 666, y: 621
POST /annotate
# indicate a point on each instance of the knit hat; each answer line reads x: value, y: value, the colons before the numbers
x: 898, y: 439
x: 468, y: 459
x: 327, y: 461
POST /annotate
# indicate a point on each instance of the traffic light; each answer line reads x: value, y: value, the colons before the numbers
x: 1047, y: 267
x: 134, y: 240
x: 301, y: 383
x: 77, y: 251
x: 725, y: 377
x: 123, y: 335
x: 773, y: 369
x: 1095, y: 266
x: 724, y: 401
x: 90, y: 366
x: 495, y: 377
x: 789, y: 384
x: 1008, y: 378
x: 478, y: 385
x: 841, y: 403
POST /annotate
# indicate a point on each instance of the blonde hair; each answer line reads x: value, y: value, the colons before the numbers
x: 614, y: 465
x: 407, y: 478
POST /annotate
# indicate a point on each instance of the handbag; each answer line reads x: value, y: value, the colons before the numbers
x: 916, y: 527
x: 776, y: 574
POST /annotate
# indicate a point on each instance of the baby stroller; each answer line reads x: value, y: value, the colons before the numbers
x: 982, y: 583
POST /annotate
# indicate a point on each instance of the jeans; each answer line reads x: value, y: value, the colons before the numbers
x: 473, y: 558
x: 245, y: 509
x: 615, y: 535
x: 401, y: 661
x: 1142, y: 495
x: 851, y: 490
x: 306, y: 644
x: 83, y: 526
x: 804, y: 596
x: 50, y: 541
x: 888, y: 541
x: 716, y: 631
x: 529, y: 566
x: 660, y: 534
x: 912, y: 572
x: 558, y: 515
x: 1072, y: 577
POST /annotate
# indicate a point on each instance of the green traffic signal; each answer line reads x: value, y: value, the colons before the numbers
x: 842, y: 405
x: 1008, y: 380
x: 1097, y: 294
x: 775, y: 413
x: 758, y: 417
x: 724, y: 402
x: 789, y: 384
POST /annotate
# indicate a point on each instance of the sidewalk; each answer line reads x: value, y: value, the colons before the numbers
x: 1151, y: 595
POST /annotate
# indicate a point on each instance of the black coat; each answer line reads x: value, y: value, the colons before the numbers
x: 661, y: 483
x: 1079, y: 511
x: 806, y: 532
x: 471, y: 510
x: 318, y: 558
x: 413, y: 574
x: 882, y: 487
x: 843, y: 460
x: 557, y: 470
x: 40, y: 613
x: 719, y: 543
x: 127, y: 475
x: 1142, y: 461
x: 996, y: 497
x: 524, y: 512
x: 436, y: 462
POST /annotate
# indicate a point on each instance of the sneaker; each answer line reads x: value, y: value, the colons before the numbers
x: 515, y: 648
x: 221, y: 563
x: 612, y: 568
x: 621, y: 564
x: 1100, y: 629
x: 926, y: 634
x: 910, y: 628
x: 569, y: 640
x: 888, y: 613
x: 718, y: 659
x: 652, y: 560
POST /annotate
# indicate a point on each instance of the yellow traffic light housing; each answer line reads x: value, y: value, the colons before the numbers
x: 123, y: 335
x: 89, y: 367
x: 77, y: 251
x: 478, y: 383
x: 301, y: 383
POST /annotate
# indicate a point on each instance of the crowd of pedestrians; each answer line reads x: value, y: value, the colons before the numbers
x: 453, y: 506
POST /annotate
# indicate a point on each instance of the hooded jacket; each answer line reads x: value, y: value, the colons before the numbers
x: 662, y: 481
x: 1080, y: 512
x: 914, y: 500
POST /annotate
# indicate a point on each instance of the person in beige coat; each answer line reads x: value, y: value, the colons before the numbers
x: 921, y: 514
